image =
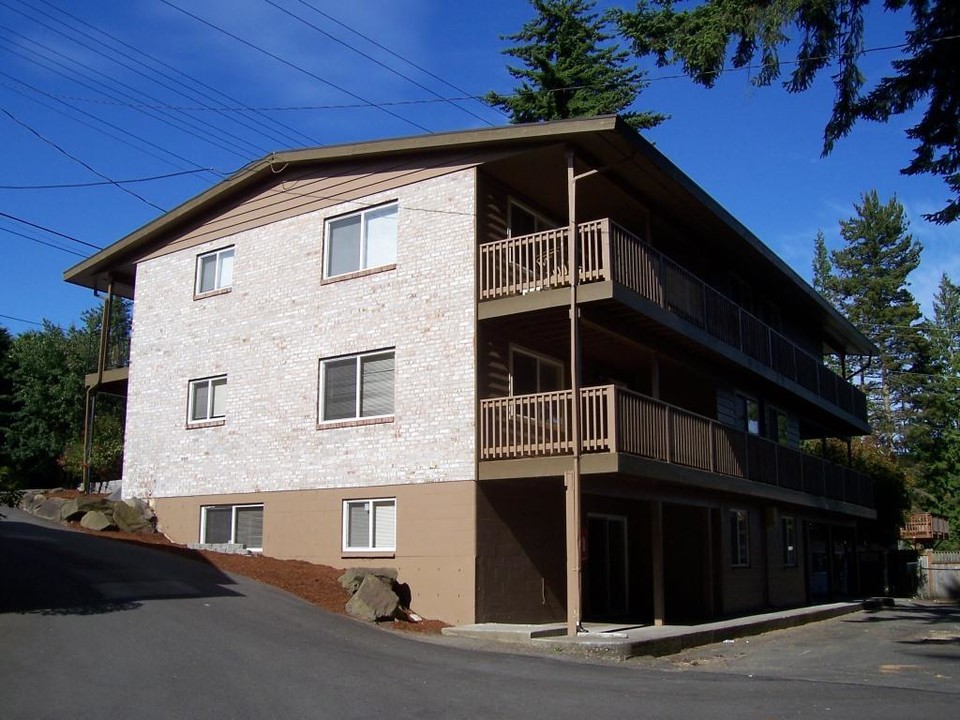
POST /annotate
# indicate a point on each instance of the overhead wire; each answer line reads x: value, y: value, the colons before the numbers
x: 17, y: 319
x: 79, y: 161
x: 299, y: 68
x: 268, y: 126
x: 128, y: 181
x: 42, y: 242
x: 374, y: 60
x: 185, y: 125
x: 49, y: 230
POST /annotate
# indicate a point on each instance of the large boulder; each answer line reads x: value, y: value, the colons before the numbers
x: 49, y: 509
x: 97, y: 520
x: 353, y: 577
x: 76, y: 508
x: 128, y: 518
x: 373, y: 600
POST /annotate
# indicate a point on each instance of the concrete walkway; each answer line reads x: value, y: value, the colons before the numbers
x: 619, y: 642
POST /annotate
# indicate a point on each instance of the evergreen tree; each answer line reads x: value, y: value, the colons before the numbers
x: 570, y: 69
x: 826, y: 33
x: 935, y: 437
x: 870, y: 287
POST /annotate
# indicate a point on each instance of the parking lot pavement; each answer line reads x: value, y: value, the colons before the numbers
x: 912, y: 645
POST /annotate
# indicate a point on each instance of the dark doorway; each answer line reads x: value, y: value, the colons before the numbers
x: 606, y: 576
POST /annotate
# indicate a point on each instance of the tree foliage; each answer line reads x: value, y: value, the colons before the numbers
x: 569, y: 68
x: 824, y: 33
x: 42, y: 403
x: 866, y: 280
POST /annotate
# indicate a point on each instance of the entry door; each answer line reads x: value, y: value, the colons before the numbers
x: 607, y: 565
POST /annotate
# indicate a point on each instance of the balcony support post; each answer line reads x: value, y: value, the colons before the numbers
x: 91, y: 398
x: 656, y: 544
x: 572, y: 478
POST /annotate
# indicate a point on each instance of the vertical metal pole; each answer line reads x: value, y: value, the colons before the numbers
x: 573, y: 520
x: 656, y: 545
x: 91, y: 404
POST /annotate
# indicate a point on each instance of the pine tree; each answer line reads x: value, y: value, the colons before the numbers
x: 935, y: 439
x: 871, y: 289
x: 570, y: 69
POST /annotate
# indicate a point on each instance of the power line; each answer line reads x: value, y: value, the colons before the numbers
x: 401, y: 57
x: 131, y: 181
x: 374, y: 60
x: 46, y: 229
x: 138, y: 54
x: 42, y: 242
x: 28, y: 322
x: 294, y: 66
x: 79, y: 161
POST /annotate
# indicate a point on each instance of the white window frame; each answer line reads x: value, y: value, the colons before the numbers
x: 788, y: 526
x: 191, y: 399
x: 233, y: 522
x: 358, y: 395
x: 362, y: 262
x: 370, y: 546
x: 739, y: 519
x: 219, y: 284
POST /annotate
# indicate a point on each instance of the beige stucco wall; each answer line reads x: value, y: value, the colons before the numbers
x: 436, y: 534
x: 269, y: 333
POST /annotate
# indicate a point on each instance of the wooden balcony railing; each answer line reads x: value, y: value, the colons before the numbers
x: 617, y: 420
x: 118, y: 355
x: 537, y: 262
x: 925, y: 527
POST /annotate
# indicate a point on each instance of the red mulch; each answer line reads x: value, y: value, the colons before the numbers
x: 317, y: 584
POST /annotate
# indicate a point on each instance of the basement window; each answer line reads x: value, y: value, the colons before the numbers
x: 370, y: 525
x: 232, y: 524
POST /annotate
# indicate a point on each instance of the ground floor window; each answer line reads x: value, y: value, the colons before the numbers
x: 739, y: 539
x: 234, y: 524
x: 370, y: 525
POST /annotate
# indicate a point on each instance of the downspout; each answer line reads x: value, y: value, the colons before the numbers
x: 91, y: 399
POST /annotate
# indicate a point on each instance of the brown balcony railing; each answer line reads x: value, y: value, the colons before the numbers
x: 617, y: 420
x: 537, y: 262
x: 118, y: 355
x: 925, y: 527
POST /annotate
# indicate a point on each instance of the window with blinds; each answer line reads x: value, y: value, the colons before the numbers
x: 215, y: 270
x: 208, y: 399
x: 370, y: 525
x: 234, y: 524
x: 360, y: 241
x: 359, y: 386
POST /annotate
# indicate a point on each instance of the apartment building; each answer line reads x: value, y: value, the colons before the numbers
x: 535, y: 368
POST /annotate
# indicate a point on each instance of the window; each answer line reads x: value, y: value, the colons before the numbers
x: 234, y: 524
x: 370, y: 525
x: 208, y: 399
x: 788, y: 526
x: 739, y: 539
x: 778, y: 426
x: 360, y: 241
x: 531, y: 373
x: 748, y: 414
x: 524, y: 221
x: 215, y: 271
x: 358, y: 386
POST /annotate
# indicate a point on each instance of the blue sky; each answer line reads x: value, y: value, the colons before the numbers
x: 78, y: 108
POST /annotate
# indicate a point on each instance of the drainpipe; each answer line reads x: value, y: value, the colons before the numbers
x: 91, y: 399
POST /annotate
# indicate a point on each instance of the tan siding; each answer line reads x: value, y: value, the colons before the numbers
x: 309, y: 190
x: 435, y: 536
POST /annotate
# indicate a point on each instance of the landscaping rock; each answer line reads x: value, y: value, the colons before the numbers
x: 76, y: 508
x: 373, y: 600
x: 97, y: 520
x: 353, y: 577
x: 128, y: 518
x: 49, y: 508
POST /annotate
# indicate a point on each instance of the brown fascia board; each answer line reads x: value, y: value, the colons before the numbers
x: 127, y: 249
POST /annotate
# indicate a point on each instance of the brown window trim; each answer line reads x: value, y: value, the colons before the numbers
x: 212, y: 293
x: 206, y: 424
x: 356, y: 422
x: 358, y: 274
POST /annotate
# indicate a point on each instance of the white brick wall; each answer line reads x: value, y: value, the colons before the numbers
x: 268, y: 335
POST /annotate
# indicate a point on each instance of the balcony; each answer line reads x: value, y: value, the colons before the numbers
x: 116, y: 366
x: 614, y: 420
x: 538, y: 262
x: 925, y: 528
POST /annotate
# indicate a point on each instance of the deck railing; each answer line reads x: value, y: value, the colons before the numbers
x: 618, y: 420
x: 538, y: 262
x: 118, y: 355
x: 925, y: 526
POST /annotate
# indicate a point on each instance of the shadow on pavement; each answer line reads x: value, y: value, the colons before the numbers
x: 49, y: 570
